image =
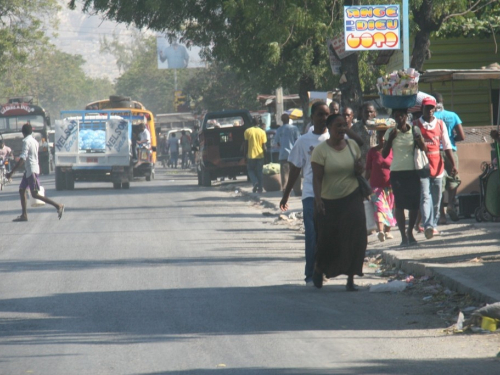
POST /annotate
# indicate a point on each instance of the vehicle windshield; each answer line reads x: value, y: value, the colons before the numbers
x: 15, y: 123
x: 224, y: 122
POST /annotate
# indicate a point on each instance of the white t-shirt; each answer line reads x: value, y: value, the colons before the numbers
x: 300, y: 156
x: 145, y: 136
x: 29, y: 154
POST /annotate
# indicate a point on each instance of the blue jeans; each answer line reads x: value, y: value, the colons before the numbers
x: 254, y: 167
x: 308, y: 214
x: 431, y: 190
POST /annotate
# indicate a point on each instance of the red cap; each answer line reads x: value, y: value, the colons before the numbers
x: 429, y: 100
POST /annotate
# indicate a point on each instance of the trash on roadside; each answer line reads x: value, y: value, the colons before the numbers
x: 427, y: 298
x: 489, y: 324
x: 393, y: 286
x: 409, y: 279
x: 372, y: 265
x: 292, y: 216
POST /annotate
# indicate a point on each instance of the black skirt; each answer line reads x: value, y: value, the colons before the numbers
x: 406, y: 189
x: 341, y: 236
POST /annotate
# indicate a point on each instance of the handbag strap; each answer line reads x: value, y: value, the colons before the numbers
x: 350, y: 149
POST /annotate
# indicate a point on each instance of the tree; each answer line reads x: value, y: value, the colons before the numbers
x: 431, y: 15
x: 143, y: 81
x: 219, y: 87
x: 273, y: 43
x: 57, y: 80
x: 21, y: 30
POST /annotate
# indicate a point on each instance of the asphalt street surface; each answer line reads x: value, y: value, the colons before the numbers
x: 172, y: 278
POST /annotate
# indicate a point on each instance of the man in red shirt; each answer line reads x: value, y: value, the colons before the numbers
x: 435, y: 134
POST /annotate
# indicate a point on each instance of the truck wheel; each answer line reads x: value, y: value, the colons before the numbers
x: 125, y: 185
x: 70, y: 181
x: 148, y: 177
x: 60, y: 180
x: 205, y: 178
x: 117, y: 185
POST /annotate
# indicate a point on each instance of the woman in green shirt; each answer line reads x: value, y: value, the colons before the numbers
x: 340, y: 215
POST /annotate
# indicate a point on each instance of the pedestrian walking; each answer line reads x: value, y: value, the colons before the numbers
x: 368, y: 137
x: 285, y: 138
x: 29, y: 158
x: 173, y: 148
x: 348, y: 114
x: 378, y: 171
x: 186, y: 148
x: 435, y: 136
x: 404, y: 178
x: 334, y: 107
x: 255, y: 148
x: 300, y: 159
x: 456, y: 134
x: 339, y: 210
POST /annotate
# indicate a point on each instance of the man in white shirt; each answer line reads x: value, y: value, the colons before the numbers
x: 29, y: 157
x: 300, y: 158
x: 144, y: 137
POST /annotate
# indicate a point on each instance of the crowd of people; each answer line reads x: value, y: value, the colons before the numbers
x: 173, y: 147
x: 335, y: 155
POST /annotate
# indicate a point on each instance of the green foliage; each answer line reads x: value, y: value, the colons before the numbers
x: 219, y: 87
x: 57, y: 80
x: 482, y: 24
x: 144, y: 82
x: 21, y: 32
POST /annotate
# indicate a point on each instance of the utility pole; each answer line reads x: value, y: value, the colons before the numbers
x: 279, y: 105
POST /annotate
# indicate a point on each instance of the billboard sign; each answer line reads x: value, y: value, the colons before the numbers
x: 374, y: 27
x: 177, y: 56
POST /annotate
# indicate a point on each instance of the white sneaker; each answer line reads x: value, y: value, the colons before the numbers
x: 381, y: 236
x: 388, y: 236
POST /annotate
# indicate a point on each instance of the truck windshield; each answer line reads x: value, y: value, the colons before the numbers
x: 15, y: 123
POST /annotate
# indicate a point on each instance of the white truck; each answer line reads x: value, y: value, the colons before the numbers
x: 92, y: 146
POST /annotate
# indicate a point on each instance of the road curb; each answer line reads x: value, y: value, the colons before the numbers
x: 449, y: 278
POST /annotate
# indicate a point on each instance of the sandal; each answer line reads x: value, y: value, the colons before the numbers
x: 20, y: 218
x: 60, y: 211
x: 419, y: 228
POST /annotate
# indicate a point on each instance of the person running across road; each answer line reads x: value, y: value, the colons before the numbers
x: 29, y: 158
x: 300, y: 159
x: 255, y: 148
x: 285, y: 138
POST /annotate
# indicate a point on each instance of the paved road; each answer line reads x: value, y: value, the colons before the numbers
x: 170, y: 278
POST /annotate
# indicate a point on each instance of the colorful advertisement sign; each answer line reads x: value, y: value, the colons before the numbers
x: 374, y: 27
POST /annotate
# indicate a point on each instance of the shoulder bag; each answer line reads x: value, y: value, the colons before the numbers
x: 364, y: 186
x: 419, y: 157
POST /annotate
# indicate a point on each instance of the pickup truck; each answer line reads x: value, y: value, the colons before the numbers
x: 92, y: 146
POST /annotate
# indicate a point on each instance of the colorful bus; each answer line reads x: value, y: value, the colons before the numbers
x: 146, y: 159
x: 16, y: 113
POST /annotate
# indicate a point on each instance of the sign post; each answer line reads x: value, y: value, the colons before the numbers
x: 406, y: 36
